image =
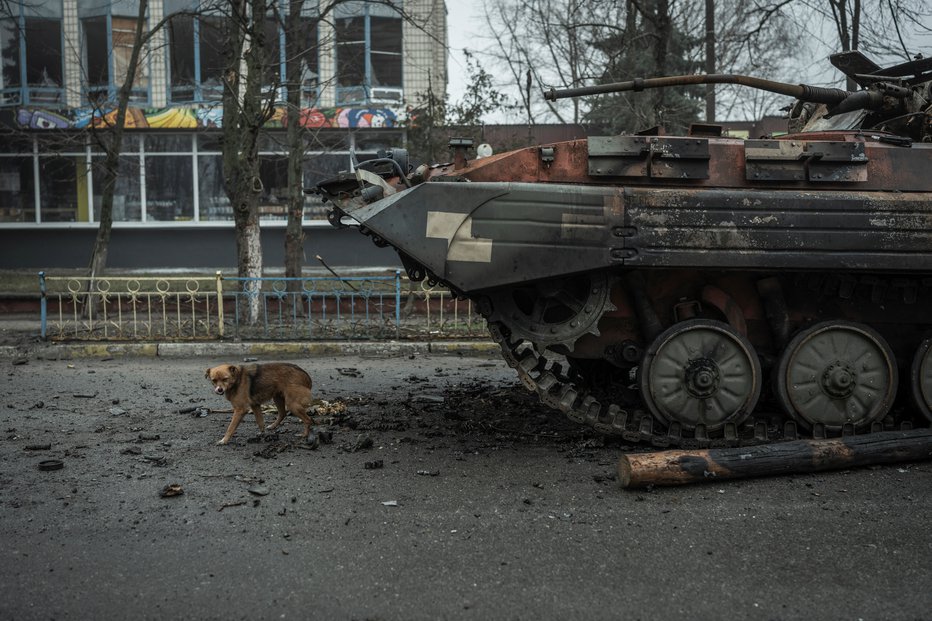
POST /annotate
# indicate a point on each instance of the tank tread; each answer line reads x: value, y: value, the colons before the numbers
x: 559, y: 391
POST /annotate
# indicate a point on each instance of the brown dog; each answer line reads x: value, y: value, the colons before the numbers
x: 248, y: 386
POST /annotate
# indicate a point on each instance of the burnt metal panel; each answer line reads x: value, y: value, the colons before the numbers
x: 655, y: 157
x: 780, y: 229
x: 796, y: 160
x: 481, y: 235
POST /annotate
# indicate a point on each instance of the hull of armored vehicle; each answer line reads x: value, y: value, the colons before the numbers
x: 687, y: 290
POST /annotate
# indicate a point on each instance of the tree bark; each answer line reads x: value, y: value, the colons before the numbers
x: 294, y: 229
x: 682, y: 467
x: 244, y: 114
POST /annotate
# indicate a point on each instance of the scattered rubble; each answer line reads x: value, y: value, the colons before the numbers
x: 173, y: 489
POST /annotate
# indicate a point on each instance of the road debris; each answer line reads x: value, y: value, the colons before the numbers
x: 173, y: 489
x: 51, y: 464
x: 390, y: 503
x: 679, y: 467
x: 232, y: 504
x: 427, y: 399
x: 375, y: 464
x: 258, y: 490
x: 363, y: 442
x: 37, y: 447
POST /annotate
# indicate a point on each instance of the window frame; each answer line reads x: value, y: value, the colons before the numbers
x: 139, y: 96
x: 344, y: 92
x: 200, y: 91
x: 22, y: 94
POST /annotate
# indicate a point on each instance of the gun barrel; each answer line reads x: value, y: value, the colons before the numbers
x: 816, y: 94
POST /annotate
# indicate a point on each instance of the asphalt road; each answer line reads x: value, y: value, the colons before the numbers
x: 486, y: 507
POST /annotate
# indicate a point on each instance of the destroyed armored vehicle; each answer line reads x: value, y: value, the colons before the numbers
x: 700, y: 289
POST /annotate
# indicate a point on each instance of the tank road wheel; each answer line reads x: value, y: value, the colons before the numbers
x: 921, y: 378
x: 835, y: 373
x: 700, y: 372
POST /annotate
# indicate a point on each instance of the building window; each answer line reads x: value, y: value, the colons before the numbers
x: 280, y: 32
x: 169, y: 201
x: 32, y: 32
x: 127, y: 194
x: 163, y: 177
x: 212, y: 195
x: 17, y: 190
x: 369, y: 54
x: 195, y: 58
x: 105, y: 65
x: 60, y: 186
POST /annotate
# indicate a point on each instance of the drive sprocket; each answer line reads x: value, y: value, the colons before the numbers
x: 553, y: 314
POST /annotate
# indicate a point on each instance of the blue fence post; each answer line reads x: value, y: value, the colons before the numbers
x: 397, y: 303
x: 43, y: 304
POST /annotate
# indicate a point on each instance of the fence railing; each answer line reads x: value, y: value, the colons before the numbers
x: 217, y: 307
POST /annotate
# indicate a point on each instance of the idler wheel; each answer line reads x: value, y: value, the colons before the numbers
x: 837, y: 372
x: 700, y: 372
x: 921, y: 378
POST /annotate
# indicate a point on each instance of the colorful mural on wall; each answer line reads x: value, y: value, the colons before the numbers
x: 202, y: 117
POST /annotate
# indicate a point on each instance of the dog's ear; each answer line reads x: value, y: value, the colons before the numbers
x: 234, y: 371
x: 207, y: 373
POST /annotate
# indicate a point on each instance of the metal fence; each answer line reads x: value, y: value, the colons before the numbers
x: 123, y: 308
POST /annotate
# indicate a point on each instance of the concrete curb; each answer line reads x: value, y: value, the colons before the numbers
x: 267, y: 350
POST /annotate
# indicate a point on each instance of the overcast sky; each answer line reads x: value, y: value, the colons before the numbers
x: 464, y: 24
x: 466, y: 28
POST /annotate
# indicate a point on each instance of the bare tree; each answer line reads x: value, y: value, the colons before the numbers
x: 250, y: 95
x: 566, y: 43
x: 111, y: 139
x: 113, y: 145
x: 245, y: 112
x: 554, y: 41
x: 295, y: 50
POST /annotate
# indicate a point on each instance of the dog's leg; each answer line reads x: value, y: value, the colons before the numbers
x: 260, y: 419
x: 282, y: 412
x: 238, y: 415
x: 299, y: 408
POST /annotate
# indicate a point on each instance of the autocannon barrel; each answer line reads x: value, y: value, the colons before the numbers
x: 815, y: 94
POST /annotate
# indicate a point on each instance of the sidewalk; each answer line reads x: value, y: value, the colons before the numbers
x: 19, y: 339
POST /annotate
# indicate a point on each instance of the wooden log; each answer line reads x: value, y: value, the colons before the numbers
x: 682, y: 467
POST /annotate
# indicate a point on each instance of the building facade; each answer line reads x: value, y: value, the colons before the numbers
x: 363, y: 66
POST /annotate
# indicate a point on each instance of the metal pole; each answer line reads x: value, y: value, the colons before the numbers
x: 397, y: 302
x: 43, y: 303
x: 219, y: 304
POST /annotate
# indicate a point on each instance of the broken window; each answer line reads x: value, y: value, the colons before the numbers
x: 369, y: 54
x: 195, y: 50
x: 33, y: 31
x: 278, y: 31
x: 109, y: 33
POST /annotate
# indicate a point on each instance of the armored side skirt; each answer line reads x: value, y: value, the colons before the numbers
x: 481, y: 235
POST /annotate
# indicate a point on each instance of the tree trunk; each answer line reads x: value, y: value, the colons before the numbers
x: 113, y: 145
x: 294, y: 230
x: 243, y: 117
x: 682, y: 467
